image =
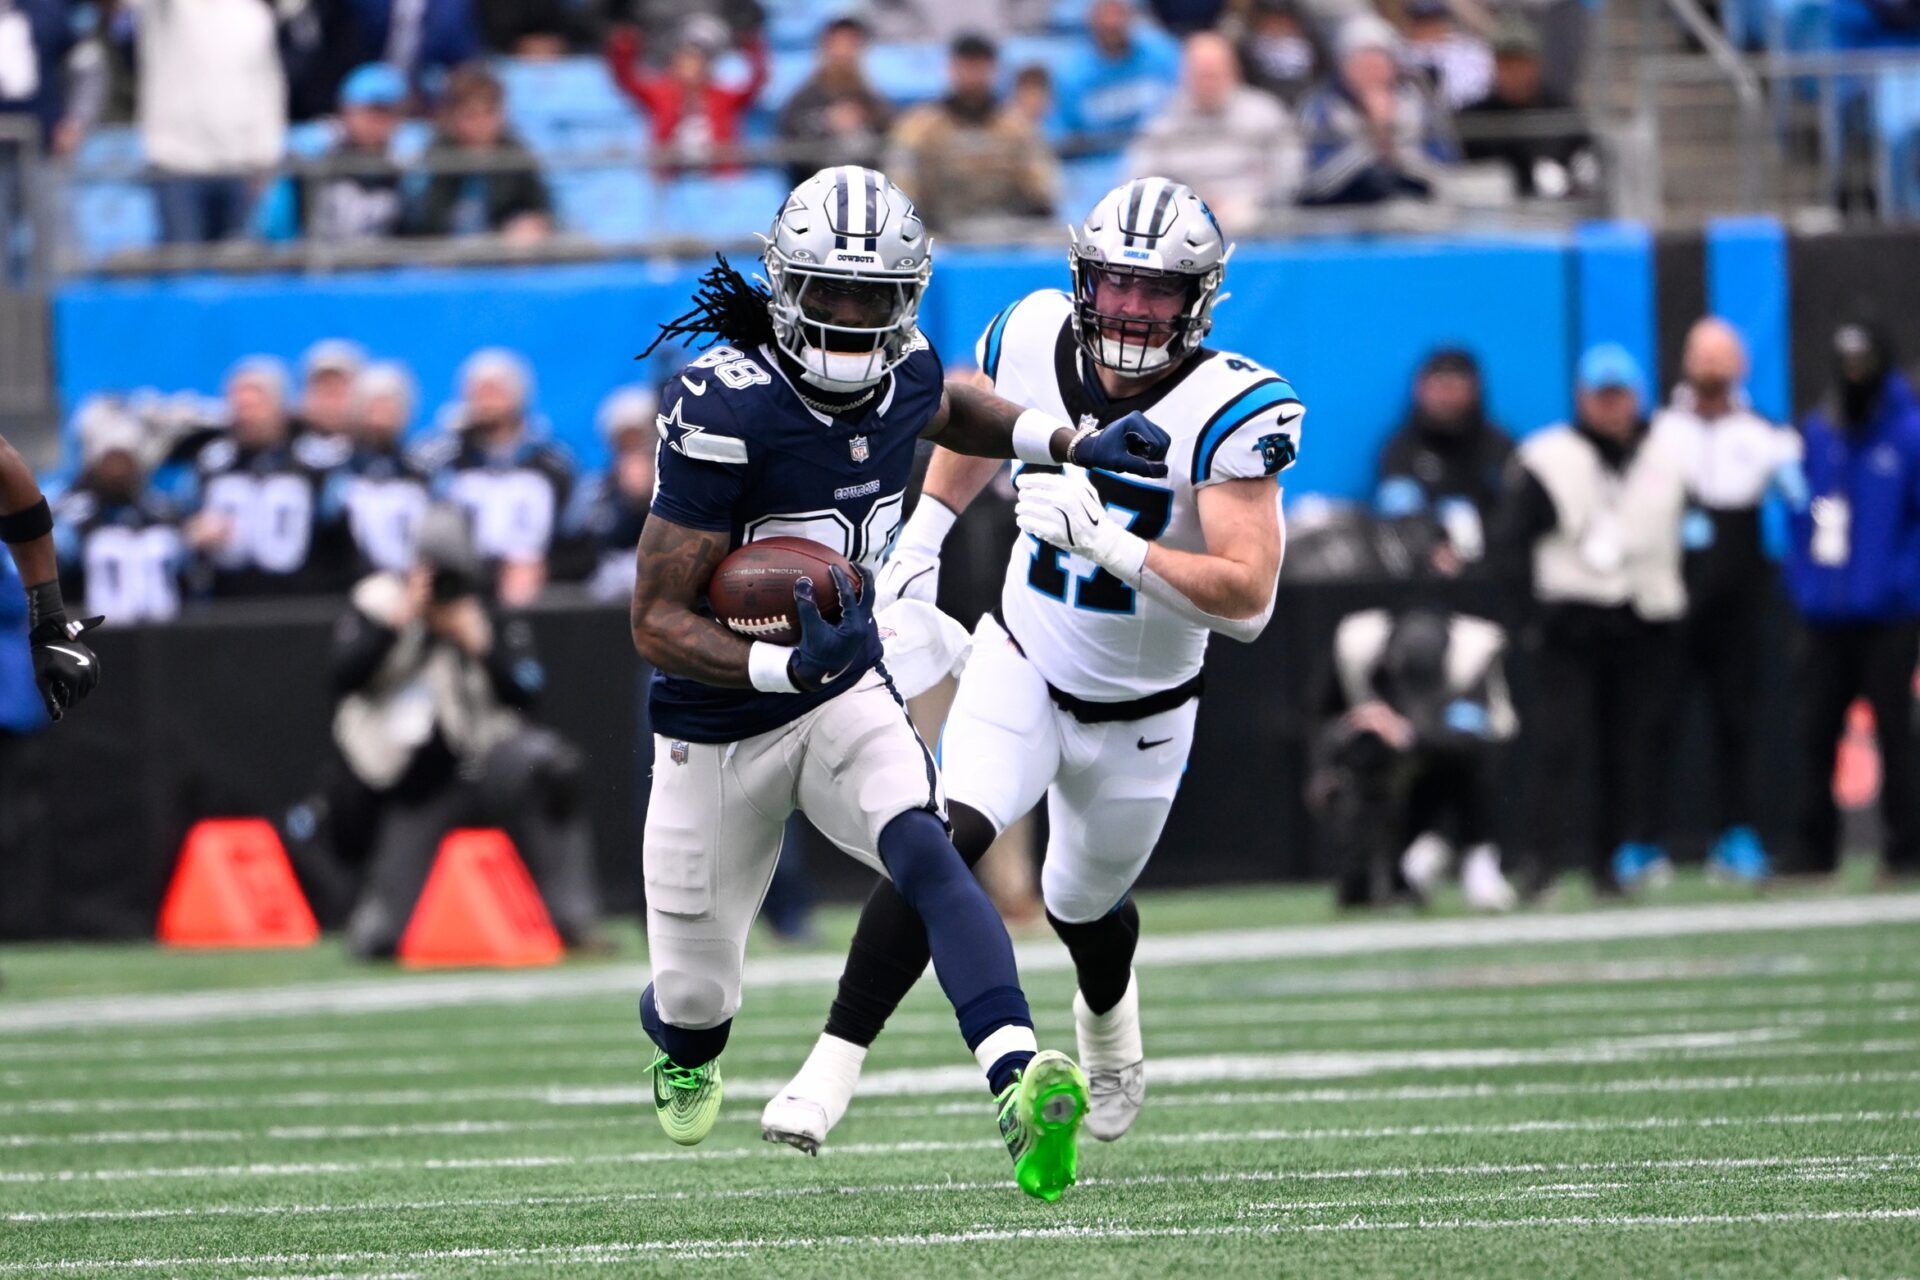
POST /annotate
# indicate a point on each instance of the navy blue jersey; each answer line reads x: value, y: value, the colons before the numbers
x: 741, y: 452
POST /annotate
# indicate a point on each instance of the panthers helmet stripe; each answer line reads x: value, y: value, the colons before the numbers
x: 1136, y: 189
x: 1160, y: 204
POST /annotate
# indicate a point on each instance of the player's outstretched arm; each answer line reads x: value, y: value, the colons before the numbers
x: 974, y: 421
x: 675, y: 565
x: 64, y: 669
x: 953, y: 481
x: 1228, y: 588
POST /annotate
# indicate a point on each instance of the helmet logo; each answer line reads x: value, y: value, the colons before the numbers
x: 1140, y: 255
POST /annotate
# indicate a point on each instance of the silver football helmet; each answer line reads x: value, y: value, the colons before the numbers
x: 847, y: 260
x: 1146, y: 234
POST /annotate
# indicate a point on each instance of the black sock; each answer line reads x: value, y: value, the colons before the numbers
x: 1102, y: 952
x: 890, y: 951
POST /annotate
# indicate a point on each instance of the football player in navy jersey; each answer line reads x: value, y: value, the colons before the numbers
x: 64, y: 669
x: 805, y: 423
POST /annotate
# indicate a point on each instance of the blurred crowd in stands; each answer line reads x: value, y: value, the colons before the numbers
x: 1260, y: 104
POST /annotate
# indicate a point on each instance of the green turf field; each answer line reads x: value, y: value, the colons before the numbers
x: 1710, y: 1086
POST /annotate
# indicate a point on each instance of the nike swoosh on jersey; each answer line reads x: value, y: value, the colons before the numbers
x: 77, y: 656
x: 698, y: 388
x: 1144, y: 745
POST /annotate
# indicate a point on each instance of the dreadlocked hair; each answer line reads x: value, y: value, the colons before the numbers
x: 726, y: 305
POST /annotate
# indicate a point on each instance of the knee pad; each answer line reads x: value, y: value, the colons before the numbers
x: 1073, y: 901
x: 694, y: 1000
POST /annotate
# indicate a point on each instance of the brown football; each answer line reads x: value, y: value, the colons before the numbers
x: 752, y: 589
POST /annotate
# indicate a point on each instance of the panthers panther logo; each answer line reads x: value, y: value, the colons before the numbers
x: 1277, y: 452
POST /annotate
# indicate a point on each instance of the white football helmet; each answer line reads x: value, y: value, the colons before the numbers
x: 1147, y: 227
x: 847, y: 260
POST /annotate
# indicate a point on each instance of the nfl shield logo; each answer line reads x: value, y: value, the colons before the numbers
x: 858, y: 448
x: 679, y: 752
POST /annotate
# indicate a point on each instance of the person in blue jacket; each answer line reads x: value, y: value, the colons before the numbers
x: 1120, y: 79
x: 1853, y: 570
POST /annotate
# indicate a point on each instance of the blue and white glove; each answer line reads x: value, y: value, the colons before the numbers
x: 1062, y: 509
x: 828, y: 650
x: 1130, y: 446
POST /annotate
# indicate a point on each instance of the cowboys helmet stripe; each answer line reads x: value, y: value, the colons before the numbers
x: 873, y: 211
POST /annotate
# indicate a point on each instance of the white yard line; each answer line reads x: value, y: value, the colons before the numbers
x: 960, y: 1080
x: 941, y: 1046
x: 1666, y: 1174
x: 1211, y: 1137
x: 1180, y: 1072
x: 1319, y: 941
x: 1092, y: 1234
x: 1411, y: 1009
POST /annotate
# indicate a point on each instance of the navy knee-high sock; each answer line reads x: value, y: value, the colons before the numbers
x: 688, y: 1047
x: 972, y: 955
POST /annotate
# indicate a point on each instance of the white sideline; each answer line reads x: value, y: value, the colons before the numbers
x: 1252, y: 1097
x: 1687, y: 1171
x: 1297, y: 942
x: 260, y: 1169
x: 930, y: 1081
x: 1099, y: 1233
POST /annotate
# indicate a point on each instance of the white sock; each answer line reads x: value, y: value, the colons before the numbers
x: 1008, y: 1039
x: 830, y: 1074
x: 1112, y: 1037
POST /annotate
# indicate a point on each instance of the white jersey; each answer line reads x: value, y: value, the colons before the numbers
x: 1087, y: 632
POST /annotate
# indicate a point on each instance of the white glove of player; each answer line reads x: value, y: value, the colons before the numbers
x: 912, y: 572
x: 923, y: 645
x: 1063, y: 509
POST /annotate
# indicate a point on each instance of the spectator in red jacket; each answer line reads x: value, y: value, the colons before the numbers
x: 696, y: 120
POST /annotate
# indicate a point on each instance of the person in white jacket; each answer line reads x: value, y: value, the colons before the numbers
x: 212, y: 109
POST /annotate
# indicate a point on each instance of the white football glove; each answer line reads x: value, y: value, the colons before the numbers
x: 1063, y: 509
x: 912, y: 571
x: 923, y: 645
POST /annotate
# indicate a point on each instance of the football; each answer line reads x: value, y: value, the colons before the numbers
x: 752, y: 589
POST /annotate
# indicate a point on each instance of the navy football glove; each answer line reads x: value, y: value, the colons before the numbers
x: 1131, y: 446
x: 828, y: 650
x: 65, y: 669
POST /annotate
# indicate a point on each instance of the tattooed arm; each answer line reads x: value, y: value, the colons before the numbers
x: 975, y: 421
x: 674, y: 567
x: 19, y: 494
x: 971, y: 419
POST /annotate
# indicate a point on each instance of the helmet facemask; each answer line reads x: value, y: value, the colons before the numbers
x: 1137, y: 345
x: 845, y: 328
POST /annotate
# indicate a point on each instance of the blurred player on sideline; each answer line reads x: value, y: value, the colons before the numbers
x: 805, y: 424
x: 1083, y: 685
x: 64, y: 669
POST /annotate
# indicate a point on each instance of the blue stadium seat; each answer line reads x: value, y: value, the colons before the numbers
x: 731, y: 206
x: 616, y: 205
x: 113, y: 144
x: 568, y: 104
x: 109, y: 217
x: 311, y: 139
x: 908, y: 73
x: 1084, y: 180
x: 1896, y: 125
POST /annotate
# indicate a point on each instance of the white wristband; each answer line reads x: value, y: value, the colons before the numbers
x: 927, y: 528
x: 767, y: 667
x: 1033, y: 437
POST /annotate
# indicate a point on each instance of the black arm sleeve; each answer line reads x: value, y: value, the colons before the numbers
x: 1525, y: 512
x: 360, y: 645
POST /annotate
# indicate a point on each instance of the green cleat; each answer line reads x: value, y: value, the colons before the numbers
x: 1040, y: 1116
x: 687, y: 1099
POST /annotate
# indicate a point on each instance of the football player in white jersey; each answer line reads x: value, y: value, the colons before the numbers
x: 1083, y: 685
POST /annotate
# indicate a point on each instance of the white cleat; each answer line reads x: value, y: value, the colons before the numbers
x: 1481, y: 881
x: 802, y: 1114
x: 1115, y: 1063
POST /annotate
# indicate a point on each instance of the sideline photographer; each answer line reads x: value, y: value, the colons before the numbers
x: 435, y: 694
